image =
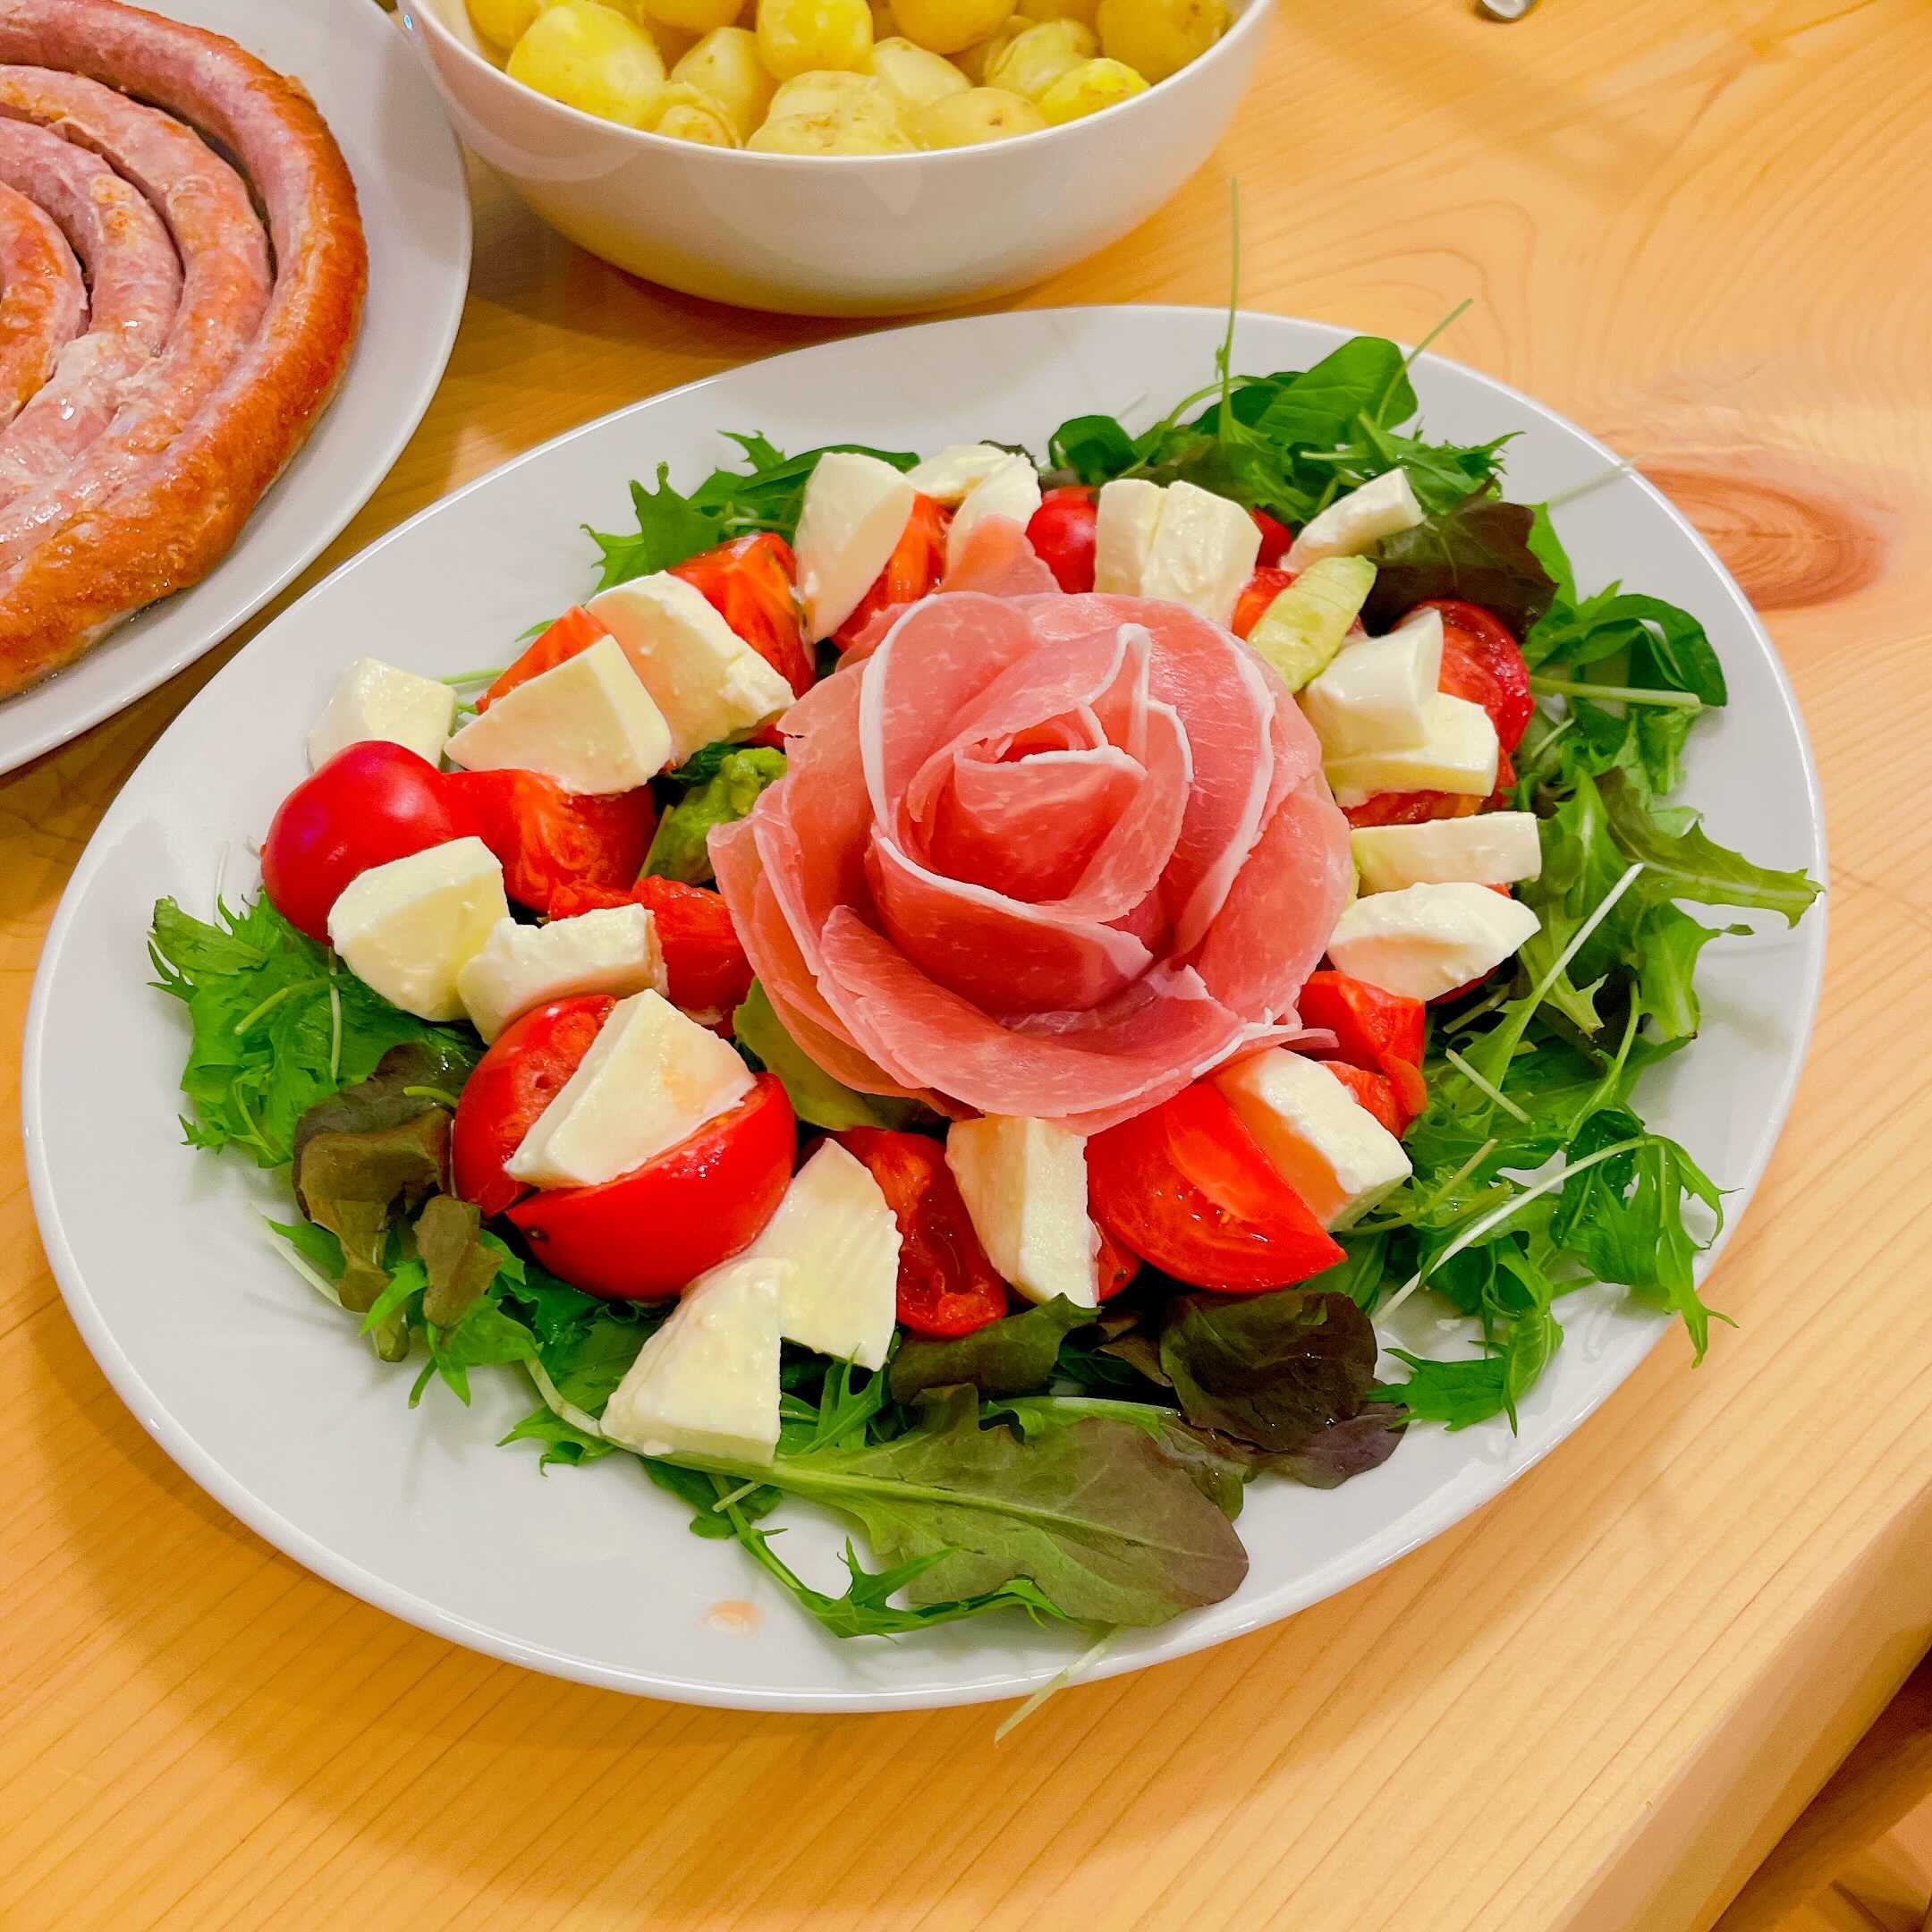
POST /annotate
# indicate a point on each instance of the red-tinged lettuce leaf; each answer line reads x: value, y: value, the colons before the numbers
x: 1271, y: 1370
x: 1478, y: 551
x: 1096, y: 1516
x: 1014, y: 1356
x: 458, y: 1263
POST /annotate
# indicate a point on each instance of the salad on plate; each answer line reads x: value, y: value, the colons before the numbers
x: 968, y: 989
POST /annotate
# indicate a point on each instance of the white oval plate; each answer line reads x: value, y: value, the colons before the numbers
x: 386, y: 115
x: 252, y: 1384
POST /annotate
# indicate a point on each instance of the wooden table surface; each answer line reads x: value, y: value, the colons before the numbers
x: 1699, y: 230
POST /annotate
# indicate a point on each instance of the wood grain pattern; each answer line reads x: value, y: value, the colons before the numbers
x: 1700, y: 231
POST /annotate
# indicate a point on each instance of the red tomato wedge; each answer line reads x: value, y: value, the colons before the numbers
x: 946, y: 1285
x: 513, y: 1082
x: 1263, y: 588
x: 704, y: 960
x: 1187, y: 1187
x: 911, y: 571
x: 1062, y: 533
x: 575, y: 630
x: 753, y: 584
x: 1276, y: 537
x: 1483, y: 662
x: 547, y: 838
x: 368, y: 804
x: 1373, y: 1091
x: 649, y: 1234
x: 1380, y: 1032
x: 1114, y: 1266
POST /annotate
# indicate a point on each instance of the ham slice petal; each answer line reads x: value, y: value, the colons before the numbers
x: 1038, y: 855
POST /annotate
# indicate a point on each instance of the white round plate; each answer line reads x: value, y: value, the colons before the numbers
x: 254, y: 1386
x: 353, y: 60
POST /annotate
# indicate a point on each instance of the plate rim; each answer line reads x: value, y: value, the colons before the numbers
x: 400, y: 1601
x: 383, y: 450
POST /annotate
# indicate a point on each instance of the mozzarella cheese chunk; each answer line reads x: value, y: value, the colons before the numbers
x: 854, y: 513
x: 1358, y: 521
x: 1376, y: 692
x: 612, y: 950
x: 1126, y: 519
x: 587, y: 723
x: 838, y: 1232
x: 1491, y: 849
x: 949, y: 476
x: 1024, y: 1182
x: 705, y: 679
x: 408, y: 929
x: 1427, y: 940
x: 1011, y: 490
x: 651, y: 1078
x: 1458, y: 753
x: 1321, y: 1140
x: 373, y: 700
x: 1204, y: 552
x: 707, y: 1383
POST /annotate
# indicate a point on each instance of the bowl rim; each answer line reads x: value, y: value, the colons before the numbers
x: 424, y: 16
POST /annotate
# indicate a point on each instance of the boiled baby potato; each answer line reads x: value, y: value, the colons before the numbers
x: 982, y: 113
x: 853, y: 96
x: 973, y: 61
x: 726, y: 66
x: 693, y: 17
x: 950, y: 26
x: 914, y: 75
x: 1037, y: 57
x: 590, y: 56
x: 1083, y: 11
x: 1088, y: 87
x: 1158, y: 37
x: 797, y: 37
x: 832, y: 132
x: 686, y: 113
x: 503, y: 22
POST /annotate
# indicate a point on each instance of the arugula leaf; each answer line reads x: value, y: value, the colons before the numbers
x: 1091, y: 449
x: 1477, y: 550
x: 1457, y: 1393
x: 678, y: 851
x: 673, y: 527
x: 1682, y: 863
x: 1366, y: 376
x: 277, y: 1026
x: 1658, y: 646
x: 1270, y: 1369
x: 815, y: 1096
x: 561, y: 1442
x: 1096, y: 1516
x: 1013, y: 1356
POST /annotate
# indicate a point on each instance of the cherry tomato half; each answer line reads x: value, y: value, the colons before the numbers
x: 1263, y: 588
x: 753, y: 584
x: 1483, y: 662
x: 370, y: 803
x: 1187, y: 1187
x: 1276, y: 537
x: 1062, y: 533
x: 547, y: 838
x: 911, y: 571
x: 705, y: 963
x: 1373, y: 1091
x: 575, y: 630
x: 513, y: 1082
x: 946, y: 1285
x: 1380, y: 1032
x: 651, y: 1232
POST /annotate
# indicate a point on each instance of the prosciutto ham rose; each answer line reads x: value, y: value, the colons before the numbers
x: 1039, y: 854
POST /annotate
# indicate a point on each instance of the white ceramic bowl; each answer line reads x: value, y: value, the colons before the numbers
x: 838, y: 235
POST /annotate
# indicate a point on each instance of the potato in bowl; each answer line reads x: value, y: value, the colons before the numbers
x: 908, y: 178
